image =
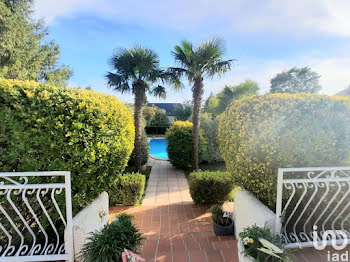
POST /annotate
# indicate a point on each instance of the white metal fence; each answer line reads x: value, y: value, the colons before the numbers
x: 35, y: 210
x: 311, y: 201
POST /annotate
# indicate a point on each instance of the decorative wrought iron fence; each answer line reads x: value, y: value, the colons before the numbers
x: 311, y: 201
x: 35, y: 211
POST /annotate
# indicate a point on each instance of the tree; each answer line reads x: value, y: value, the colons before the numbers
x: 25, y: 53
x: 211, y: 104
x: 230, y: 93
x: 184, y: 111
x: 155, y: 116
x: 296, y: 80
x: 195, y: 64
x: 136, y: 69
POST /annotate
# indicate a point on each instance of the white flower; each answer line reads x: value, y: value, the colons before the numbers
x: 246, y: 241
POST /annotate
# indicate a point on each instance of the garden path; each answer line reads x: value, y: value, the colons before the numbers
x: 167, y: 185
x: 176, y: 230
x: 173, y: 227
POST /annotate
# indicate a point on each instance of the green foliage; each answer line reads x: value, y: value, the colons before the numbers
x: 209, y: 127
x: 217, y: 215
x: 155, y: 117
x: 127, y: 189
x: 179, y: 137
x: 25, y: 53
x: 260, y: 134
x: 250, y: 239
x: 211, y: 104
x: 217, y: 104
x: 205, y: 60
x: 296, y: 80
x: 144, y: 151
x: 210, y: 187
x: 135, y: 69
x: 183, y: 112
x: 53, y: 128
x: 107, y: 244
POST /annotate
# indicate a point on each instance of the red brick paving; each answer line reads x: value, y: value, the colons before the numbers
x: 181, y: 233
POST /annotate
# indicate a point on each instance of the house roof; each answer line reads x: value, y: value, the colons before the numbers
x: 345, y: 92
x: 168, y: 107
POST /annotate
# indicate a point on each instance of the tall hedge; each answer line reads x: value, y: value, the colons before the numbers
x: 54, y: 128
x: 179, y: 137
x: 209, y: 127
x: 260, y: 134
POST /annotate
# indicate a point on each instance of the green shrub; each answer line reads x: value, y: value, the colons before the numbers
x: 253, y: 248
x: 107, y: 244
x: 209, y: 127
x: 179, y: 137
x: 210, y: 187
x: 127, y: 189
x: 144, y: 151
x: 53, y: 128
x: 260, y: 134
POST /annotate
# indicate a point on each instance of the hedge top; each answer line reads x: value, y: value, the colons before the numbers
x: 54, y: 128
x: 259, y: 134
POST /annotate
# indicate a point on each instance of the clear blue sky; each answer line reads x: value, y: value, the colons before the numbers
x: 265, y: 37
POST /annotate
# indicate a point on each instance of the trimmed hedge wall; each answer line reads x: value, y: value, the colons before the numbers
x: 127, y: 189
x: 179, y: 137
x: 260, y: 134
x: 210, y: 187
x: 54, y: 128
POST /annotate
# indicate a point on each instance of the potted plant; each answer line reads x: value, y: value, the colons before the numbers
x: 222, y: 221
x: 260, y: 244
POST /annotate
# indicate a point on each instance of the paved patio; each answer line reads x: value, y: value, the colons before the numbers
x: 175, y: 229
x: 179, y: 232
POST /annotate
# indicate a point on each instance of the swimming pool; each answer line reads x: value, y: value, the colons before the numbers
x: 158, y: 147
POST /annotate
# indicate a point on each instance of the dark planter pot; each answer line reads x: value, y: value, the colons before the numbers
x: 220, y: 230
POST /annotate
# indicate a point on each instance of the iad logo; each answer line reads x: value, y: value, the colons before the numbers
x: 338, y: 239
x: 330, y: 235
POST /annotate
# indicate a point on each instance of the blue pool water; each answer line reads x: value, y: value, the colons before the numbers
x: 158, y: 147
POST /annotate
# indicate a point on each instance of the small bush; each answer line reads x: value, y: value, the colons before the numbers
x: 179, y: 137
x: 107, y: 244
x: 208, y: 187
x: 46, y: 128
x: 253, y: 248
x: 127, y: 189
x: 144, y: 151
x: 260, y: 134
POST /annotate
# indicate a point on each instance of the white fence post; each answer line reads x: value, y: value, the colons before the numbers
x: 30, y: 216
x: 312, y: 198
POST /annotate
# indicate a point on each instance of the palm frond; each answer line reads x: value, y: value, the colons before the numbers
x: 183, y: 53
x: 159, y: 91
x: 219, y: 67
x: 174, y: 75
x: 117, y: 82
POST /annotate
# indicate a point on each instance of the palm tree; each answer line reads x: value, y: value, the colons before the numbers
x: 196, y: 64
x: 136, y: 69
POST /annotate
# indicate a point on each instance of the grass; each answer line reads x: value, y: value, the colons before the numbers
x: 218, y: 166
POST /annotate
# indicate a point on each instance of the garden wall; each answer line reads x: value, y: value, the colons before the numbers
x: 248, y: 210
x: 91, y: 218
